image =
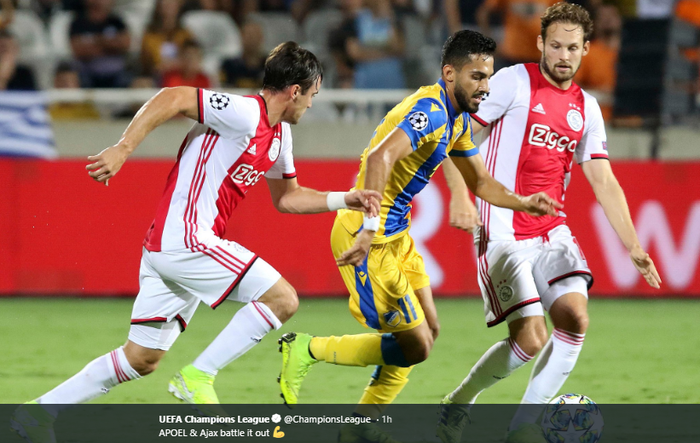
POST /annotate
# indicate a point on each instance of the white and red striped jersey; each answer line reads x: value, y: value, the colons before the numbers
x: 534, y: 131
x: 223, y: 155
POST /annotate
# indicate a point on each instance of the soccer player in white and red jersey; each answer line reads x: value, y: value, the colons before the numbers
x: 235, y: 142
x: 538, y: 121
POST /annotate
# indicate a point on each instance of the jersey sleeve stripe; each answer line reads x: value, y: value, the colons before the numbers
x: 468, y: 153
x: 200, y: 105
x: 290, y: 175
x: 596, y: 156
x: 480, y: 121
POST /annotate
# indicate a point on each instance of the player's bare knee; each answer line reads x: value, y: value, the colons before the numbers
x: 281, y: 299
x: 529, y: 333
x: 578, y: 323
x: 145, y: 365
x: 533, y: 340
x: 142, y: 360
x: 418, y: 349
x: 289, y: 302
x: 417, y: 355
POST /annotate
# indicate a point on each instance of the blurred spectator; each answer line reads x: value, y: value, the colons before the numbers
x: 338, y: 43
x: 163, y: 39
x: 13, y: 76
x: 375, y: 45
x: 7, y: 13
x: 521, y: 27
x: 301, y: 8
x: 189, y: 69
x: 100, y: 42
x: 247, y: 70
x: 597, y: 69
x: 66, y: 77
x: 403, y: 8
x: 298, y: 8
x: 689, y: 11
x: 212, y: 5
x: 461, y: 14
x: 45, y: 9
x: 655, y: 8
x: 250, y: 6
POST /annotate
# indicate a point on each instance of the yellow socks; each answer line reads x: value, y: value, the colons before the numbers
x: 386, y: 383
x: 348, y: 350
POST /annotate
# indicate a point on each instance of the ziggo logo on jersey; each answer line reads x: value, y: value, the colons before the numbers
x: 246, y: 174
x: 542, y: 135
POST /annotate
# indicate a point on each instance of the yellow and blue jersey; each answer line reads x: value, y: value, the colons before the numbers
x: 436, y: 130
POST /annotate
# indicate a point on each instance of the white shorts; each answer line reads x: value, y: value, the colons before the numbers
x: 515, y: 276
x: 173, y: 283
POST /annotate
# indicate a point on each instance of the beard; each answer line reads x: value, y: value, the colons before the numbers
x: 554, y: 75
x: 464, y: 102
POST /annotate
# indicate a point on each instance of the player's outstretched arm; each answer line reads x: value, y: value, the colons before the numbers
x: 609, y: 194
x: 380, y: 162
x: 289, y: 197
x: 163, y: 106
x: 484, y: 186
x: 463, y: 213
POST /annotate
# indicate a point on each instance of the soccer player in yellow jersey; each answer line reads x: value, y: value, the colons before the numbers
x: 383, y: 271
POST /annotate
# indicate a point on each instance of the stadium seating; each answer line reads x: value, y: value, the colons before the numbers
x: 218, y: 34
x: 277, y: 28
x: 31, y: 37
x: 136, y: 24
x: 59, y: 30
x: 317, y: 28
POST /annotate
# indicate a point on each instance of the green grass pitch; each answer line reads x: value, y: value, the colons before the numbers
x: 636, y: 351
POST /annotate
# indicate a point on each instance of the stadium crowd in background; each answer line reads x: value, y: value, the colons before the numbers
x: 362, y: 43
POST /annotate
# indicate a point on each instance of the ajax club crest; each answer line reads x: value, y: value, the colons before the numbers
x: 274, y: 151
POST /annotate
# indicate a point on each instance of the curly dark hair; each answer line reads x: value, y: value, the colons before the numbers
x: 460, y: 45
x: 563, y: 12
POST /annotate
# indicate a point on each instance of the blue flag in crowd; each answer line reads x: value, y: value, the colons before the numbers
x: 25, y: 125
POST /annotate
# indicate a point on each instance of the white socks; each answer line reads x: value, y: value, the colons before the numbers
x: 496, y: 364
x: 552, y: 368
x: 94, y: 380
x: 247, y: 328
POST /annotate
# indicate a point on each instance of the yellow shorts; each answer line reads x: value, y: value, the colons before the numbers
x: 382, y: 293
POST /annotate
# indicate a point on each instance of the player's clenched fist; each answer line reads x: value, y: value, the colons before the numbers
x: 541, y: 204
x: 364, y: 200
x: 107, y: 163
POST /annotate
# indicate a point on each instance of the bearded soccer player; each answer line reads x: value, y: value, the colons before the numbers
x: 235, y: 142
x: 538, y: 122
x: 383, y: 271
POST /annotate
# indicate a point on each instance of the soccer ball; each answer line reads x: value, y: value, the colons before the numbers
x: 572, y: 418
